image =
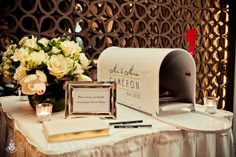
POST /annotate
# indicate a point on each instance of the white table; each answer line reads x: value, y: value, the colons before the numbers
x: 19, y: 123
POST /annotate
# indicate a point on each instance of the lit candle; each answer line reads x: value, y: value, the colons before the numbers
x: 44, y: 111
x: 211, y: 106
x: 44, y: 116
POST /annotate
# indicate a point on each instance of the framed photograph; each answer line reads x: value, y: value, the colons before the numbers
x: 85, y: 99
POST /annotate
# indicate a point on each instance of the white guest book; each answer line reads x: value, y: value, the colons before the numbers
x: 157, y: 81
x: 72, y: 129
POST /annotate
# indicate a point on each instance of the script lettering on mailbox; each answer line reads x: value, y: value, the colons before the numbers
x: 127, y: 79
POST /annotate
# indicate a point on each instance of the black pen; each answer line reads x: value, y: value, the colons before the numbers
x: 133, y: 126
x: 126, y: 122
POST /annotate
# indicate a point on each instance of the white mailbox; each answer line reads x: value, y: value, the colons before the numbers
x: 149, y: 79
x: 158, y: 81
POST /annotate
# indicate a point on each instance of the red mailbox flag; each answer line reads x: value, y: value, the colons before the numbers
x: 191, y: 38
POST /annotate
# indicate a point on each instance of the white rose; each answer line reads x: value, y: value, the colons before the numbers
x: 55, y: 50
x: 10, y: 50
x: 83, y: 78
x: 6, y: 67
x: 84, y: 60
x: 21, y: 54
x: 31, y: 43
x: 70, y: 48
x: 56, y: 39
x: 36, y: 58
x: 20, y: 73
x: 23, y: 40
x: 78, y: 69
x: 43, y: 41
x: 59, y: 66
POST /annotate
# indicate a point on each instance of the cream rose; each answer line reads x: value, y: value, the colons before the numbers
x: 21, y: 54
x: 23, y: 40
x: 55, y: 50
x: 83, y: 78
x: 78, y: 69
x: 31, y: 43
x: 59, y: 66
x: 36, y: 58
x: 20, y: 73
x: 70, y: 48
x: 10, y: 50
x: 43, y: 41
x: 84, y: 60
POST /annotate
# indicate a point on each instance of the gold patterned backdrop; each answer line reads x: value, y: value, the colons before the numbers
x: 130, y: 23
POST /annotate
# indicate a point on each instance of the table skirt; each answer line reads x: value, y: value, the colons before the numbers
x: 19, y: 125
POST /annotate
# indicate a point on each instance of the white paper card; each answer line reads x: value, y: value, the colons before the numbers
x: 94, y: 98
x: 91, y: 100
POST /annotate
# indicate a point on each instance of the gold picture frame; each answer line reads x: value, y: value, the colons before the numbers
x: 90, y: 98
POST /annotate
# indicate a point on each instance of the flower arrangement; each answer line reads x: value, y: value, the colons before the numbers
x: 37, y: 63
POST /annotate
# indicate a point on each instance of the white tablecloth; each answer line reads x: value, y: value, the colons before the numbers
x: 19, y: 124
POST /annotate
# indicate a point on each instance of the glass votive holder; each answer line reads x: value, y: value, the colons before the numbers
x: 44, y: 111
x: 211, y: 104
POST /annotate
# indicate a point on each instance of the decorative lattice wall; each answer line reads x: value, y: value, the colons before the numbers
x: 130, y: 23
